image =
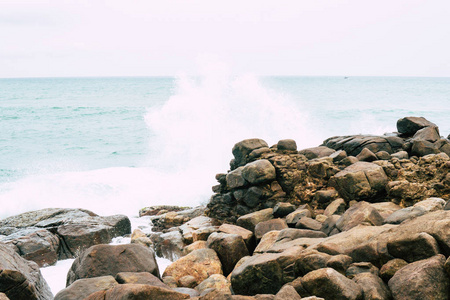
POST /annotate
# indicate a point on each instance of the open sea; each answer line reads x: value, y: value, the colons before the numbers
x: 115, y: 145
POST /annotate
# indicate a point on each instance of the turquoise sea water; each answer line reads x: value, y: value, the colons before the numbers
x: 114, y: 145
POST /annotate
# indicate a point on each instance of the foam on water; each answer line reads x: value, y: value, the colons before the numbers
x: 191, y: 136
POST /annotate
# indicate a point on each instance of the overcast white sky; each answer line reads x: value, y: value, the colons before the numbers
x: 313, y: 37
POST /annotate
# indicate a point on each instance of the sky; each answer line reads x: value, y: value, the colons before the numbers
x: 163, y: 38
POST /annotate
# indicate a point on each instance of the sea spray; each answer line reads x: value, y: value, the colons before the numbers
x: 190, y: 140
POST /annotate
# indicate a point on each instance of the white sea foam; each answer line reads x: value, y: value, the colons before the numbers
x: 191, y: 136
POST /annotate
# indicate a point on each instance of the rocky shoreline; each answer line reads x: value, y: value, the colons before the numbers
x: 358, y: 217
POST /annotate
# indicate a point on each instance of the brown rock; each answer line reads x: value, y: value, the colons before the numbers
x: 391, y: 267
x: 216, y: 281
x: 360, y: 181
x: 194, y: 246
x: 246, y: 234
x: 287, y: 292
x: 267, y: 241
x: 249, y: 221
x: 328, y: 282
x: 103, y: 260
x: 140, y: 278
x: 82, y: 288
x: 357, y: 214
x: 337, y: 207
x: 230, y: 248
x: 361, y: 267
x: 20, y: 278
x: 137, y: 292
x: 260, y: 171
x: 414, y: 247
x: 263, y: 227
x: 200, y: 263
x: 242, y: 149
x: 423, y: 279
x: 374, y: 288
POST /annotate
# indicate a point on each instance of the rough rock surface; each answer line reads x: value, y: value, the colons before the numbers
x: 103, y: 260
x: 20, y: 278
x: 423, y: 279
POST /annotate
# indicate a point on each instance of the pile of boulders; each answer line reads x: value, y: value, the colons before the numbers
x: 359, y: 217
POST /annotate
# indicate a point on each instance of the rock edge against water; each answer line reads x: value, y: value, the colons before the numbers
x: 359, y: 217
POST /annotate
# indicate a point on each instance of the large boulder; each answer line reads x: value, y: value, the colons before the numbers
x: 35, y: 244
x: 408, y: 126
x: 259, y: 171
x: 77, y: 229
x: 362, y: 212
x: 229, y: 247
x: 264, y: 273
x: 82, y: 288
x: 330, y: 284
x: 423, y: 279
x: 373, y: 287
x: 137, y: 292
x: 360, y: 181
x: 103, y: 260
x: 200, y: 264
x: 249, y: 221
x: 242, y: 150
x: 20, y: 278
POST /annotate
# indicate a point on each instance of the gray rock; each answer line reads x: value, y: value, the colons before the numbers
x: 230, y: 248
x: 242, y: 149
x: 357, y: 214
x: 410, y: 125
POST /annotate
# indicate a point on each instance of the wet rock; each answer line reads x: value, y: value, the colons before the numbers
x: 35, y: 244
x: 82, y: 288
x: 199, y: 222
x: 20, y: 278
x: 327, y: 281
x: 360, y: 181
x: 200, y: 263
x: 78, y: 229
x: 230, y: 248
x: 176, y: 218
x: 423, y: 279
x: 260, y: 171
x: 169, y: 245
x: 373, y: 287
x: 103, y: 260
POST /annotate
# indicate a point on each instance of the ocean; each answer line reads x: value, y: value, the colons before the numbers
x: 115, y: 145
